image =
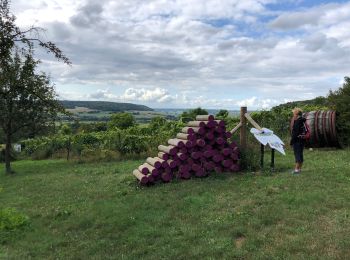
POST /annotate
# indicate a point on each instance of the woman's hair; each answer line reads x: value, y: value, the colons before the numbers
x: 297, y: 111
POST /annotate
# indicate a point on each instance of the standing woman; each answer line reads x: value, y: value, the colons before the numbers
x: 297, y: 130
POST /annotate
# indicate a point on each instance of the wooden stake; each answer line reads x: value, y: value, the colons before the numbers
x: 243, y: 137
x: 262, y: 149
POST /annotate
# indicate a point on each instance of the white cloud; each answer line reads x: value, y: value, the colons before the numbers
x: 192, y: 52
x: 155, y: 95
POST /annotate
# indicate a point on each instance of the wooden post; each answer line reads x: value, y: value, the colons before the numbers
x: 262, y: 150
x: 243, y: 135
x: 272, y: 159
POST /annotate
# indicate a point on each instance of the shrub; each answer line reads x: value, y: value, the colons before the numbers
x: 11, y: 219
x: 121, y: 121
x: 340, y: 101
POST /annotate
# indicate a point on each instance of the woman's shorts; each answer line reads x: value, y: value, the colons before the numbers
x: 298, y: 148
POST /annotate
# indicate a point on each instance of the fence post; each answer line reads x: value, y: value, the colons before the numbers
x: 262, y: 152
x: 272, y: 159
x: 243, y: 134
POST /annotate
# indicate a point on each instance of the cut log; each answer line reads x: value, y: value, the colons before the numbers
x: 155, y: 162
x: 200, y: 143
x: 212, y: 124
x: 209, y: 166
x: 207, y: 147
x: 150, y: 178
x: 220, y: 123
x: 183, y: 150
x: 172, y: 164
x: 166, y: 177
x: 188, y: 130
x: 210, y: 136
x: 217, y: 158
x: 163, y: 156
x: 226, y: 151
x: 196, y: 155
x: 197, y: 123
x: 170, y: 149
x: 189, y: 144
x: 142, y: 169
x: 143, y: 179
x: 184, y: 168
x: 194, y: 130
x: 189, y: 161
x: 220, y: 129
x: 182, y: 156
x: 220, y: 140
x: 177, y: 142
x: 155, y: 173
x: 208, y: 153
x: 227, y: 163
x: 150, y: 169
x: 165, y: 164
x: 190, y: 137
x: 196, y: 167
x: 205, y: 118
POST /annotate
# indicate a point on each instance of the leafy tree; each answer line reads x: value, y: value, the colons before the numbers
x: 191, y: 114
x: 27, y: 100
x: 65, y: 130
x: 157, y: 122
x: 339, y: 100
x: 222, y: 114
x: 121, y: 121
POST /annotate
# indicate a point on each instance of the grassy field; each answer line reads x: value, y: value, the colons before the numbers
x: 96, y: 211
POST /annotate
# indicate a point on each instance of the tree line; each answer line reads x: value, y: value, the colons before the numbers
x: 29, y: 106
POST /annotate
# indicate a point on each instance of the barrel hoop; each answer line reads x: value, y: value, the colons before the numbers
x: 321, y: 128
x: 307, y: 122
x: 334, y: 126
x: 325, y: 129
x: 316, y: 128
x: 331, y: 126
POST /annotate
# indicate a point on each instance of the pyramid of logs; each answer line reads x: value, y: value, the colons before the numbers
x: 201, y: 148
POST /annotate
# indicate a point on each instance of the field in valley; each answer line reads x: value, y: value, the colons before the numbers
x: 97, y: 211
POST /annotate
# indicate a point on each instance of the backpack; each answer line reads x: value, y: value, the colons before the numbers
x: 306, y: 132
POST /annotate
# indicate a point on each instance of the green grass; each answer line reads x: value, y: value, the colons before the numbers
x: 96, y: 211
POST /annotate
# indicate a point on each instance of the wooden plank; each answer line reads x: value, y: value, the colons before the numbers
x: 251, y: 120
x: 236, y: 128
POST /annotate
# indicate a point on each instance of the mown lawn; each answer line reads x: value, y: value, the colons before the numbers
x: 96, y: 211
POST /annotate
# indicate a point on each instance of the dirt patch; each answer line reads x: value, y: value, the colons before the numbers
x: 239, y: 241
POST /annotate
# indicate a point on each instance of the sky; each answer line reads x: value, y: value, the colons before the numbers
x: 189, y: 53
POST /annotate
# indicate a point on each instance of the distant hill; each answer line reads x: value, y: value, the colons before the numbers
x: 316, y: 102
x: 104, y: 106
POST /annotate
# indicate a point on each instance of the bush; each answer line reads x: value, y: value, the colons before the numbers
x: 11, y: 219
x: 191, y: 114
x: 121, y: 121
x: 339, y: 100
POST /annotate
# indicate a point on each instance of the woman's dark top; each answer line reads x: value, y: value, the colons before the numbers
x: 297, y: 130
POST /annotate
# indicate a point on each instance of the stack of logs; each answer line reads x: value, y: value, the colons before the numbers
x: 201, y: 147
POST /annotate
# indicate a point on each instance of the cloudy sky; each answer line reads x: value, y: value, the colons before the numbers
x: 189, y: 53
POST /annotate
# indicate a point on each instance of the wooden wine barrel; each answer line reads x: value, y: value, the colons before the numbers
x: 322, y: 128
